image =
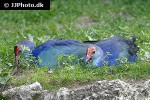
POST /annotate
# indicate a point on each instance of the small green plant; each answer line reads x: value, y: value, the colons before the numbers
x: 26, y: 61
x: 3, y: 97
x: 5, y: 76
x: 105, y: 63
x: 122, y: 60
x: 67, y: 60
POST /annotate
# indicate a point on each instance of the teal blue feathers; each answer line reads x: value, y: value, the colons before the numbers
x: 107, y: 51
x: 49, y: 51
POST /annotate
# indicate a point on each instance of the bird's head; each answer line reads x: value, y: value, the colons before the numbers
x: 21, y: 48
x: 90, y: 53
x: 93, y: 53
x: 25, y: 46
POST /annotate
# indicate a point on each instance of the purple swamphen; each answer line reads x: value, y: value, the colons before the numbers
x: 111, y: 50
x: 25, y: 46
x: 49, y: 51
x: 99, y: 53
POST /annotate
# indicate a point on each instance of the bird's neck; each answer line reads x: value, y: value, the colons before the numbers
x: 97, y: 62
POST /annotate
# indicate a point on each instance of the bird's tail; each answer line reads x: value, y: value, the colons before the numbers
x: 132, y: 40
x: 30, y: 37
x: 133, y: 48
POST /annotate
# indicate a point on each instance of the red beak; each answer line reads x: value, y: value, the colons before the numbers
x: 88, y: 57
x: 16, y: 52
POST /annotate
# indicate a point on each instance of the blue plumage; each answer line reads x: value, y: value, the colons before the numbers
x: 25, y: 46
x: 26, y: 43
x: 117, y: 47
x: 97, y: 52
x: 50, y: 50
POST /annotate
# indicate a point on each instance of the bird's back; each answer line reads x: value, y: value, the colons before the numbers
x: 117, y: 47
x: 50, y: 50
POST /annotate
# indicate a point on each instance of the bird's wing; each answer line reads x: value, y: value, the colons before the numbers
x: 49, y: 51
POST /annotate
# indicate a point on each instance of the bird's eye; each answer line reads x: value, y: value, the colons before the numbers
x: 93, y: 52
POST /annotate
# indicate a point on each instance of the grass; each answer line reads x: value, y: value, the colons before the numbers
x: 69, y: 77
x: 124, y: 18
